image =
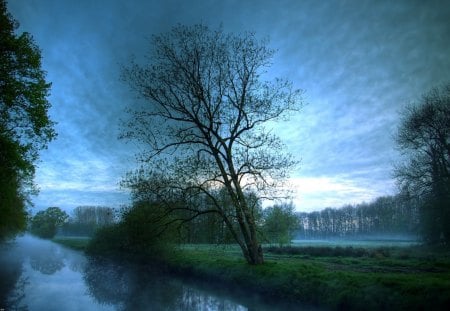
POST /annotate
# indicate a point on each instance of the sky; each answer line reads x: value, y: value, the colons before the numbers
x: 359, y: 62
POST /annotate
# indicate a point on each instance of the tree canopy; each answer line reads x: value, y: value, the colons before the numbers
x: 46, y: 223
x: 203, y: 125
x: 25, y: 127
x: 424, y: 139
x: 280, y: 223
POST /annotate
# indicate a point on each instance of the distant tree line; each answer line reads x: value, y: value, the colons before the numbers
x: 389, y: 216
x: 85, y: 220
x: 386, y: 216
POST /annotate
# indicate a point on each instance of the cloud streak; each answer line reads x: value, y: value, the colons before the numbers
x: 358, y: 61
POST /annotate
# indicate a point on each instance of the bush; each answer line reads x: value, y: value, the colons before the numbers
x: 328, y: 251
x: 141, y: 232
x: 108, y: 241
x: 45, y: 223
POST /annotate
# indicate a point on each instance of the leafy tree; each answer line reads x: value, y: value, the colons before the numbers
x: 45, y: 223
x: 25, y: 127
x: 424, y: 138
x: 280, y: 223
x: 142, y: 230
x: 203, y: 123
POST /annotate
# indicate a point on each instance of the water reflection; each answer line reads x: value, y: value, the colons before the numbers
x: 37, y: 275
x: 11, y: 268
x: 40, y: 275
x: 131, y: 288
x: 46, y: 262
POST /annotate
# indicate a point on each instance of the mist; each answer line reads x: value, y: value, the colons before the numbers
x: 38, y: 274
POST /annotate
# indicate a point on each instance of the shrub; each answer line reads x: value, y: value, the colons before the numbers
x: 45, y: 223
x: 141, y: 232
x: 330, y: 251
x: 107, y: 241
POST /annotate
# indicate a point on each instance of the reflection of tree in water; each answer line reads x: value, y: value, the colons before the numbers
x: 130, y: 288
x: 105, y: 281
x: 76, y: 264
x: 194, y: 299
x: 12, y: 283
x: 17, y: 295
x: 46, y: 261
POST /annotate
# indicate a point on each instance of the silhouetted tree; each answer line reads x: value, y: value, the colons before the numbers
x: 203, y: 124
x: 141, y: 230
x: 424, y: 138
x: 25, y: 127
x: 45, y: 223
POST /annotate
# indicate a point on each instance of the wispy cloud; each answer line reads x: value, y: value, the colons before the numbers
x: 358, y: 61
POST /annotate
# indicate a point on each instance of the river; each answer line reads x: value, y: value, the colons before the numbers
x: 38, y: 274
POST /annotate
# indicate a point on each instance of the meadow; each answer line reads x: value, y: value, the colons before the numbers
x: 345, y: 276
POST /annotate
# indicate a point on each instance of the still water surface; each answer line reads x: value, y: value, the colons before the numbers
x: 41, y: 275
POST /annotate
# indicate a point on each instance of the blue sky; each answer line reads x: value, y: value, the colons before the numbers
x: 359, y: 62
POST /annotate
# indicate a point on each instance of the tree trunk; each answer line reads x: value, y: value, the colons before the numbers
x: 251, y: 248
x: 252, y: 253
x: 256, y: 254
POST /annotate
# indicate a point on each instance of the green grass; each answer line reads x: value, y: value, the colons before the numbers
x: 419, y: 282
x: 76, y: 243
x: 391, y: 278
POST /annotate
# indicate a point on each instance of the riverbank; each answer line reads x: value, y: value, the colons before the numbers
x: 76, y: 243
x: 411, y: 278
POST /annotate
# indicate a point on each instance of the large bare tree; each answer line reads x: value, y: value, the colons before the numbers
x: 203, y: 125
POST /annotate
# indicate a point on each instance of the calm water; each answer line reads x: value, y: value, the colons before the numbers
x: 41, y: 275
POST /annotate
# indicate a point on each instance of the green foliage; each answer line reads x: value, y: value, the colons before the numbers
x: 79, y: 244
x: 343, y: 283
x: 143, y: 231
x: 12, y: 204
x: 45, y: 223
x: 25, y: 127
x: 280, y: 222
x: 423, y: 137
x: 108, y: 241
x: 146, y: 227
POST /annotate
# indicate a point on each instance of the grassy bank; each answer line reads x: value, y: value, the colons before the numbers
x: 76, y: 243
x: 387, y: 278
x: 413, y: 278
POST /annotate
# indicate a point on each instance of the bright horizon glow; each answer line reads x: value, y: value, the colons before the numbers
x: 317, y: 193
